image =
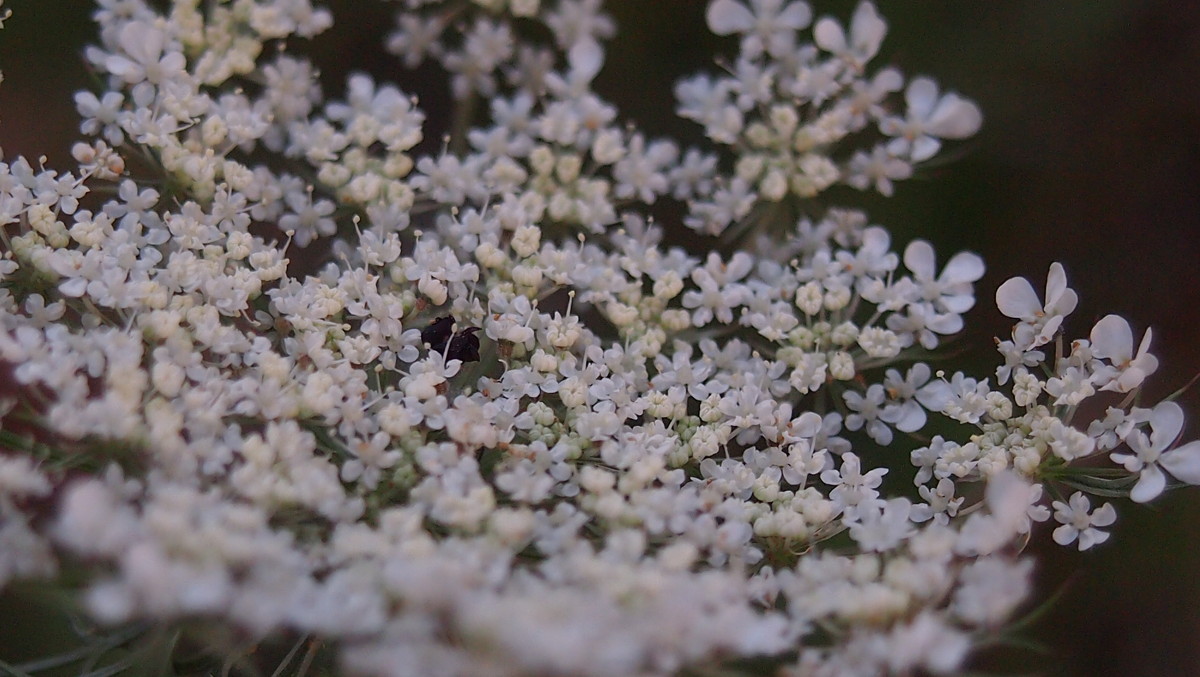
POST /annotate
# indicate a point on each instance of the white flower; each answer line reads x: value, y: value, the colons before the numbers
x: 867, y: 410
x: 881, y: 526
x: 306, y: 465
x: 1068, y: 443
x: 1152, y: 455
x: 879, y: 169
x: 1112, y: 340
x: 307, y: 220
x: 879, y: 342
x: 641, y: 171
x: 1072, y: 386
x: 579, y: 22
x: 1038, y: 322
x: 486, y: 45
x: 1015, y: 358
x: 713, y: 298
x: 144, y: 44
x: 851, y: 486
x: 953, y: 290
x: 930, y: 118
x: 1115, y: 427
x: 927, y: 643
x: 93, y: 521
x: 991, y: 589
x: 1078, y: 521
x: 101, y: 115
x: 867, y: 30
x: 940, y: 505
x: 766, y: 26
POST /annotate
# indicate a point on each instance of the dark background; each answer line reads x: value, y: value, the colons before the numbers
x: 1089, y: 155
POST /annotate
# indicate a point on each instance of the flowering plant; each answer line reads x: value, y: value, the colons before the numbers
x: 289, y: 375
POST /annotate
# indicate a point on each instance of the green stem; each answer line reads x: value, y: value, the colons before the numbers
x: 309, y: 656
x: 464, y: 113
x: 290, y: 655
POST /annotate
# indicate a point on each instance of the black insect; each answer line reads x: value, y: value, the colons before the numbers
x: 438, y: 332
x: 463, y: 344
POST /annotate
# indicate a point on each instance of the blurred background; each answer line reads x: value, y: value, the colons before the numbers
x: 1089, y: 155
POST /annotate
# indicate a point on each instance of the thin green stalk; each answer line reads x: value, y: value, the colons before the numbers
x: 464, y: 113
x: 290, y: 655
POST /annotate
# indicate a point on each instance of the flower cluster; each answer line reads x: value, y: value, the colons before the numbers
x: 285, y: 370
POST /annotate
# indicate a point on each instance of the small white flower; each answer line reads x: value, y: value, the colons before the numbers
x: 1112, y: 340
x: 940, y: 503
x: 101, y: 115
x: 867, y: 30
x: 850, y: 485
x: 930, y: 118
x: 1038, y: 322
x: 766, y: 26
x: 880, y: 526
x: 1079, y: 521
x: 952, y: 291
x: 1152, y: 455
x: 867, y: 409
x: 144, y: 44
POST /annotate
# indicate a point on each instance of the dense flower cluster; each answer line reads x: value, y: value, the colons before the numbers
x: 614, y: 457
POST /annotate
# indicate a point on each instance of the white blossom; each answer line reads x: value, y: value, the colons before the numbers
x: 497, y: 419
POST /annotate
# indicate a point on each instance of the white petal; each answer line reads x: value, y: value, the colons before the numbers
x: 1132, y: 462
x: 1144, y: 362
x: 954, y: 118
x: 924, y: 147
x: 1017, y: 299
x: 74, y: 287
x: 829, y: 36
x: 867, y: 30
x: 1112, y: 339
x: 807, y: 424
x: 958, y: 304
x: 123, y: 68
x: 1149, y: 485
x: 1065, y: 534
x: 1048, y: 330
x: 1165, y: 423
x: 795, y: 16
x: 1128, y: 380
x: 1104, y: 516
x: 888, y: 80
x: 586, y: 57
x: 1091, y: 537
x: 935, y: 395
x: 921, y: 97
x: 963, y: 267
x: 726, y: 17
x: 944, y: 323
x: 1144, y: 349
x: 142, y: 41
x: 919, y: 258
x: 173, y: 62
x: 875, y: 239
x: 1183, y: 462
x: 1056, y: 283
x: 914, y: 419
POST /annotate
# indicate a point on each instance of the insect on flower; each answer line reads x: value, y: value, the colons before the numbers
x: 438, y: 332
x: 463, y: 345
